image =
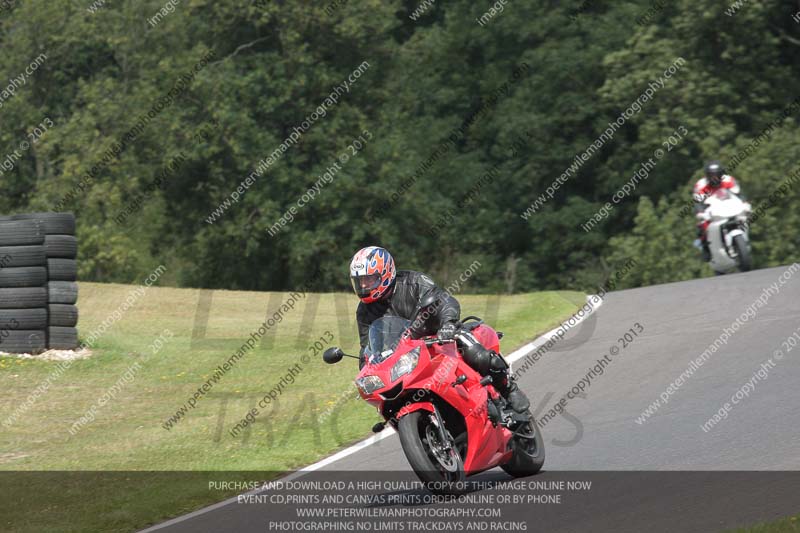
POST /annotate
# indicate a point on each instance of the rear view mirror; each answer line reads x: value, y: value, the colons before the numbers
x: 332, y: 355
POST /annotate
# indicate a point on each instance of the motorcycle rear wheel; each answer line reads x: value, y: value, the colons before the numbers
x: 441, y: 470
x: 528, y: 456
x: 744, y: 259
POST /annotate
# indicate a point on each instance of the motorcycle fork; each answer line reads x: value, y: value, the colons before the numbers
x: 446, y: 442
x: 723, y: 232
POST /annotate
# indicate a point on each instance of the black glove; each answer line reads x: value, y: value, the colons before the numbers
x: 414, y: 332
x: 447, y: 332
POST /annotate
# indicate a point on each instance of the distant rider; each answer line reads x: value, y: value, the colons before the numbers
x: 386, y: 292
x: 714, y: 180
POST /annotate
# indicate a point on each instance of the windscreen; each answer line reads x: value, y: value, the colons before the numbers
x: 722, y: 194
x: 384, y: 336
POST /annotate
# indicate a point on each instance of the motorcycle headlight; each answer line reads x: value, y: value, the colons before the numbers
x: 369, y: 384
x: 406, y: 363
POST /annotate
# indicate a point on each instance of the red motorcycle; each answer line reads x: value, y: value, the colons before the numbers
x: 452, y: 422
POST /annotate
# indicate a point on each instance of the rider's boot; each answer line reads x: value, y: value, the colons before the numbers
x: 488, y: 362
x: 507, y: 386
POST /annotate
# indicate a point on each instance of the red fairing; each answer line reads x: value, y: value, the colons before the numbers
x: 410, y: 408
x: 488, y: 337
x: 430, y: 382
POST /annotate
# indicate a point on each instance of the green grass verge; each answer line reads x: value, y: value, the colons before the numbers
x: 789, y: 524
x: 313, y: 417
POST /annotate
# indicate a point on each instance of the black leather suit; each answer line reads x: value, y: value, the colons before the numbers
x: 409, y: 289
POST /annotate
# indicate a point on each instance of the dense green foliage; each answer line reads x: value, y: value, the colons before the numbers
x: 480, y: 117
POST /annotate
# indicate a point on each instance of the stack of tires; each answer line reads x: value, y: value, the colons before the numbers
x: 23, y: 287
x: 38, y: 288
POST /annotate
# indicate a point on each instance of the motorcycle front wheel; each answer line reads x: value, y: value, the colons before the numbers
x: 437, y: 464
x: 744, y: 259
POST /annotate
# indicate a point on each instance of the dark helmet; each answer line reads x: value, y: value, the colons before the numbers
x: 714, y: 172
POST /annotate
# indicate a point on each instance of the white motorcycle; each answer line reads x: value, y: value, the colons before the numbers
x: 727, y: 234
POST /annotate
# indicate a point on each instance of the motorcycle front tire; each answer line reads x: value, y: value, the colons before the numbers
x: 411, y: 428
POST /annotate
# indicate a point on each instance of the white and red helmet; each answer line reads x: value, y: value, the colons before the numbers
x: 372, y: 273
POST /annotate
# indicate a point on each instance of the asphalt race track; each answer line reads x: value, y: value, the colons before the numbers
x: 599, y: 432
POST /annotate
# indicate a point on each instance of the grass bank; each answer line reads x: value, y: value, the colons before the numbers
x: 149, y: 363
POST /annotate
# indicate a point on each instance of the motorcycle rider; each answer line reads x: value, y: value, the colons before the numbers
x: 385, y: 291
x: 714, y: 179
